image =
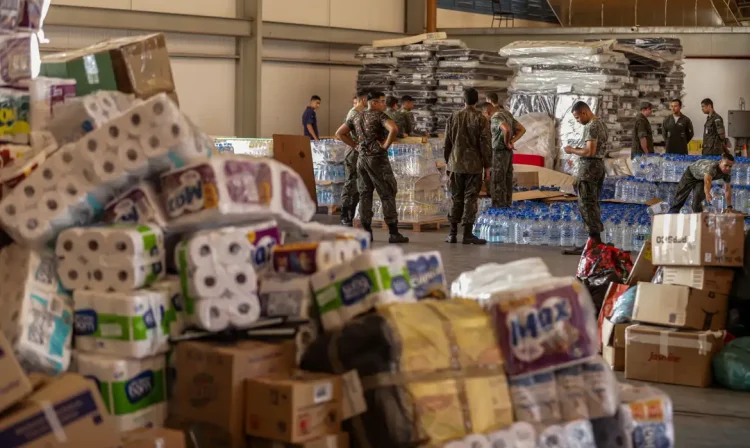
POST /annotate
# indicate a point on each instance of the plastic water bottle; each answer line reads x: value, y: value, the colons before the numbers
x: 627, y: 236
x: 536, y: 232
x: 477, y: 231
x: 554, y: 231
x: 526, y: 230
x: 504, y: 231
x: 566, y: 233
x: 579, y: 233
x: 494, y: 229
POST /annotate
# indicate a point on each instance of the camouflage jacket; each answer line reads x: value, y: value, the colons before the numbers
x: 596, y: 130
x: 399, y: 119
x: 410, y: 122
x: 468, y: 142
x: 498, y: 139
x: 712, y: 131
x: 353, y: 112
x: 642, y: 129
x: 370, y: 127
x: 700, y: 168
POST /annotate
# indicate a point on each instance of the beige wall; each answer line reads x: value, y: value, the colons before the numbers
x: 380, y: 15
x: 213, y: 8
x: 447, y: 18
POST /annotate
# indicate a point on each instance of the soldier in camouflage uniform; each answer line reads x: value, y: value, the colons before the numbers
x: 468, y: 154
x: 590, y: 171
x: 350, y: 195
x: 391, y: 109
x: 410, y: 124
x: 643, y: 137
x: 505, y: 132
x: 697, y: 179
x: 374, y: 172
x: 714, y: 135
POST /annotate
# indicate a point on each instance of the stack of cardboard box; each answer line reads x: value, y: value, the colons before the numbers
x: 680, y: 321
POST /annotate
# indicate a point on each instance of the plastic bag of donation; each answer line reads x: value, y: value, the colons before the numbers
x: 600, y: 265
x: 732, y: 365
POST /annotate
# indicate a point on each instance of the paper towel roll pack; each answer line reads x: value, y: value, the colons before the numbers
x: 427, y: 275
x: 15, y: 108
x: 315, y: 231
x: 37, y: 315
x: 134, y: 390
x: 285, y: 296
x: 134, y: 324
x: 138, y: 205
x: 233, y: 188
x: 349, y: 289
x: 115, y: 258
x: 20, y: 57
x: 309, y: 258
x: 73, y: 184
x: 46, y: 96
x: 76, y: 117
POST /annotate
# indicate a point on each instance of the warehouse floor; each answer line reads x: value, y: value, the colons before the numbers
x: 703, y: 417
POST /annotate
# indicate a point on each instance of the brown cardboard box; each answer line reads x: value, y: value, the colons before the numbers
x: 293, y: 408
x: 643, y: 268
x: 613, y: 344
x: 14, y: 385
x: 680, y: 306
x: 718, y: 280
x: 209, y: 392
x: 699, y: 239
x: 295, y: 152
x: 74, y: 403
x: 154, y: 438
x: 141, y: 64
x: 333, y: 441
x: 525, y: 179
x: 670, y: 356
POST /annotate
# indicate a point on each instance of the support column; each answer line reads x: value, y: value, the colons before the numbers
x: 416, y: 17
x: 431, y: 16
x: 248, y: 73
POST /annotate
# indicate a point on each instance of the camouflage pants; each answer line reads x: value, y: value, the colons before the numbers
x: 713, y: 150
x: 350, y: 195
x: 688, y: 184
x: 502, y: 178
x: 589, y: 185
x: 374, y: 173
x: 465, y: 189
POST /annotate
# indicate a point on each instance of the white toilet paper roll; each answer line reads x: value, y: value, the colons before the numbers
x: 456, y: 444
x: 65, y: 159
x: 553, y: 437
x: 502, y: 439
x: 158, y: 110
x: 48, y: 176
x: 233, y: 248
x: 131, y: 157
x: 52, y: 202
x: 34, y: 225
x: 135, y: 122
x: 72, y: 189
x: 208, y: 282
x: 477, y: 441
x: 116, y: 135
x: 144, y: 243
x: 31, y: 190
x: 73, y: 274
x: 108, y: 169
x: 94, y: 243
x: 175, y: 132
x: 152, y: 144
x: 69, y: 244
x: 211, y: 315
x: 93, y: 145
x: 125, y: 278
x: 11, y: 210
x: 200, y: 249
x: 243, y: 312
x: 580, y: 434
x: 241, y: 279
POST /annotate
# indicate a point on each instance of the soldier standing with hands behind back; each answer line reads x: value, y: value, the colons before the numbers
x: 468, y: 154
x: 374, y: 170
x: 591, y: 171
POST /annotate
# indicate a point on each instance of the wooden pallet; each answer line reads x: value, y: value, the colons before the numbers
x: 329, y: 209
x: 416, y: 226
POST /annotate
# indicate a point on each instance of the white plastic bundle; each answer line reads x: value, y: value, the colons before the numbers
x: 542, y: 47
x: 539, y: 138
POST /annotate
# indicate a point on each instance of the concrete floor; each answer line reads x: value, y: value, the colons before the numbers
x: 703, y: 417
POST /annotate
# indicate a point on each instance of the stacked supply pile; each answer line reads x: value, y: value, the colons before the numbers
x: 460, y: 68
x: 421, y: 192
x: 552, y: 76
x: 415, y: 76
x: 328, y: 165
x: 561, y: 390
x: 257, y: 147
x: 378, y: 68
x: 670, y: 317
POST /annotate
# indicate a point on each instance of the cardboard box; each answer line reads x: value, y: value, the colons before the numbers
x: 699, y: 239
x: 14, y: 385
x: 71, y: 401
x: 718, y: 280
x: 293, y: 408
x: 209, y: 391
x: 139, y: 65
x: 680, y: 306
x: 410, y: 40
x: 670, y: 356
x: 295, y: 152
x: 643, y: 268
x: 333, y: 441
x: 613, y: 344
x: 154, y: 438
x: 526, y: 179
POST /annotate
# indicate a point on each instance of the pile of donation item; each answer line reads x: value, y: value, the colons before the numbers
x: 668, y: 322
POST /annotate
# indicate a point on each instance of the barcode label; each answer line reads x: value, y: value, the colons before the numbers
x: 323, y: 393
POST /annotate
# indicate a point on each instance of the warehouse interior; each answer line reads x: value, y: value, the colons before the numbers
x: 244, y: 72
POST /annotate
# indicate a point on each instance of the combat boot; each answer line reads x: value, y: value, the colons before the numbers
x: 395, y: 237
x: 368, y: 228
x: 452, y: 234
x: 469, y: 237
x: 346, y: 219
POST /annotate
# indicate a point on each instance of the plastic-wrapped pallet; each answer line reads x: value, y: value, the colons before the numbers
x: 37, y: 313
x: 415, y: 76
x: 377, y: 68
x: 328, y: 166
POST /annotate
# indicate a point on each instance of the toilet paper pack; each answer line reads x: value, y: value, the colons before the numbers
x: 349, y: 289
x: 602, y: 389
x: 518, y: 435
x: 46, y: 96
x: 427, y: 275
x: 115, y: 258
x: 315, y: 231
x: 71, y: 187
x: 134, y: 390
x: 14, y: 104
x: 232, y: 188
x: 573, y: 391
x: 285, y: 296
x: 37, y: 314
x: 176, y: 317
x: 311, y: 257
x: 20, y: 58
x: 535, y: 399
x: 134, y: 324
x: 138, y: 205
